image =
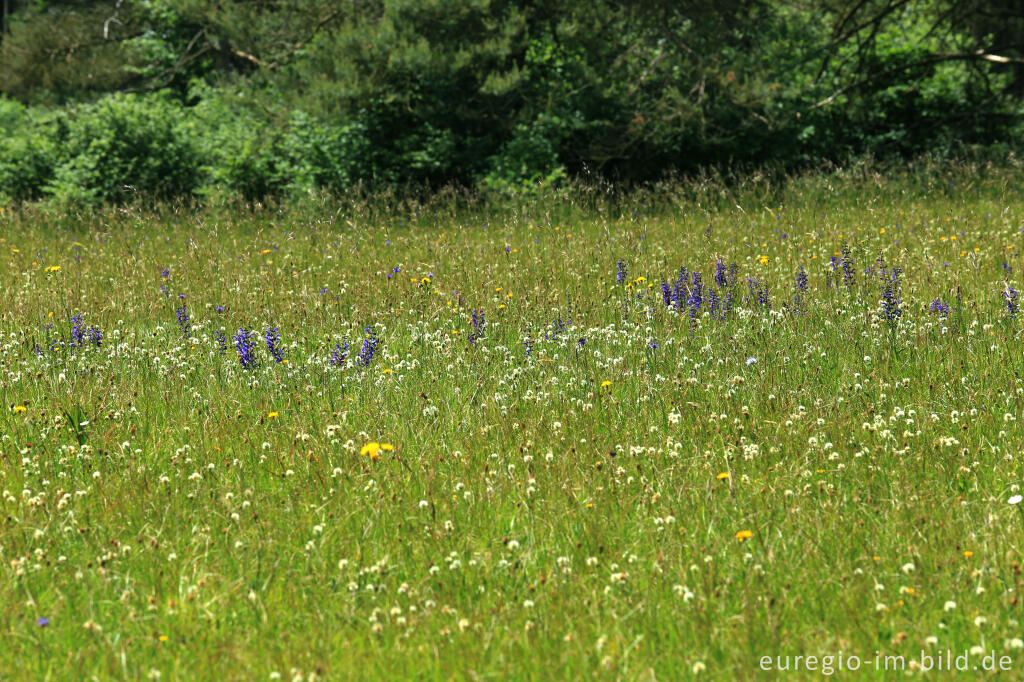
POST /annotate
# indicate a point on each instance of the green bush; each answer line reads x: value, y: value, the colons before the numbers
x: 122, y: 146
x: 27, y: 153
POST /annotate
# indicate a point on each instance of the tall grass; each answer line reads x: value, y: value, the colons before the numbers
x: 595, y: 485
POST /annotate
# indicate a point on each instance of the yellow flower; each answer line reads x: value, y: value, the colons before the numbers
x: 605, y: 383
x: 763, y: 260
x: 20, y: 408
x: 425, y: 280
x: 264, y: 252
x: 273, y: 415
x: 743, y: 535
x: 722, y: 476
x: 386, y: 371
x: 373, y: 449
x: 53, y: 268
x: 968, y: 554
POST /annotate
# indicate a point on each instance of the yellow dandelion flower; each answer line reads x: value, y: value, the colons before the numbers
x: 722, y: 476
x: 20, y: 408
x: 968, y: 554
x: 373, y: 449
x: 273, y: 415
x: 53, y: 268
x: 264, y: 252
x: 743, y: 535
x: 763, y: 260
x: 605, y: 383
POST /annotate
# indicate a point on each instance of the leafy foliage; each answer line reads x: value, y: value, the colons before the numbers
x: 290, y: 97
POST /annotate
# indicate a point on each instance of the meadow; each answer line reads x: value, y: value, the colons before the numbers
x: 645, y: 437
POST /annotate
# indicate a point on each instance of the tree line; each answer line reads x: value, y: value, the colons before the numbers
x: 260, y: 98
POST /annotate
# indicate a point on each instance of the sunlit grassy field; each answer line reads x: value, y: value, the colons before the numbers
x: 490, y: 442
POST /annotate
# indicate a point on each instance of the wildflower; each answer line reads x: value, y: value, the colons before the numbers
x: 53, y: 268
x: 273, y: 339
x: 222, y: 341
x: 19, y: 408
x: 937, y: 306
x: 847, y: 263
x: 369, y: 349
x: 720, y: 274
x: 681, y: 290
x: 743, y: 535
x: 184, y: 322
x: 1015, y: 499
x: 478, y: 326
x: 95, y: 336
x: 246, y: 347
x: 800, y: 290
x: 42, y: 621
x: 374, y: 449
x: 77, y: 331
x: 339, y: 355
x: 722, y: 476
x: 696, y: 296
x: 605, y: 383
x: 751, y: 361
x: 1011, y: 295
x: 759, y: 292
x: 891, y: 311
x: 620, y: 272
x: 272, y: 415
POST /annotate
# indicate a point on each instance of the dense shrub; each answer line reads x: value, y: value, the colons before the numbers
x: 122, y: 145
x: 259, y: 100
